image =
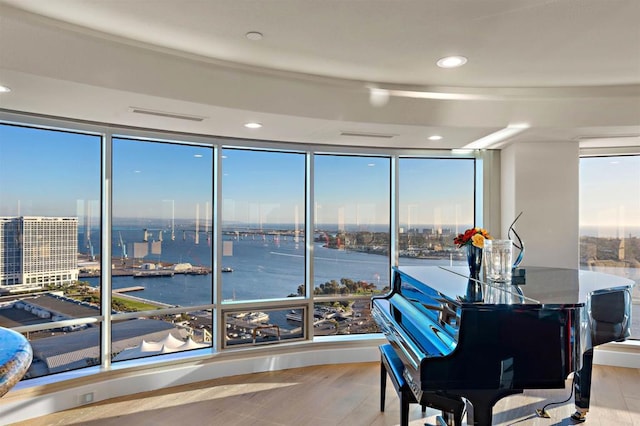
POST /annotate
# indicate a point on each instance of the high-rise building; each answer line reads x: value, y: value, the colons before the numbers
x: 37, y: 251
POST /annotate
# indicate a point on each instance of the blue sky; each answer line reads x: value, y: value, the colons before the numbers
x: 436, y: 192
x: 152, y: 179
x: 47, y: 172
x: 604, y: 204
x: 352, y: 190
x: 57, y: 173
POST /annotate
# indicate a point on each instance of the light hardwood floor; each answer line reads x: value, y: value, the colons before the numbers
x: 346, y: 395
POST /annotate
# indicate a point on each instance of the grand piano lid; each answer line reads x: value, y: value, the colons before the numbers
x: 542, y: 286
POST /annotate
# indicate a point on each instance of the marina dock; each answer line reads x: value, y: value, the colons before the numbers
x: 128, y: 289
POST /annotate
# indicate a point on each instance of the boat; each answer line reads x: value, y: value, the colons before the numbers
x: 227, y: 269
x: 257, y: 317
x: 294, y: 316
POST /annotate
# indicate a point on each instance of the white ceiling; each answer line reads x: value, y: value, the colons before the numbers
x: 569, y: 68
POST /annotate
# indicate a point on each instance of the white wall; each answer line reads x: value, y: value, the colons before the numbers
x: 542, y: 180
x: 491, y: 212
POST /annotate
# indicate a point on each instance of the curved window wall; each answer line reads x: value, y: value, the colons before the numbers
x: 152, y: 244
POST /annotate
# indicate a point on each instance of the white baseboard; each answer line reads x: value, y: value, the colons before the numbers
x: 617, y: 358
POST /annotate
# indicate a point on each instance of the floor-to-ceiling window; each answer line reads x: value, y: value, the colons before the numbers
x: 263, y: 245
x: 610, y: 220
x: 161, y: 254
x: 49, y: 243
x: 351, y: 241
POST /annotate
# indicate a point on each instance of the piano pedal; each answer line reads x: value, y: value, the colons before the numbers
x: 440, y: 421
x: 579, y: 417
x: 542, y: 413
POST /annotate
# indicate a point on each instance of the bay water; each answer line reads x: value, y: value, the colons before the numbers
x: 264, y: 267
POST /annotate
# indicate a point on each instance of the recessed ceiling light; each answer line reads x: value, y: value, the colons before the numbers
x: 451, y: 61
x: 435, y: 138
x: 252, y: 125
x: 4, y: 89
x: 253, y: 35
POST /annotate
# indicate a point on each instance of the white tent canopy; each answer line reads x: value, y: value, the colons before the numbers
x: 167, y: 345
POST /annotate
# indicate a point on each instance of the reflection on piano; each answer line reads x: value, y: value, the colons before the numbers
x: 483, y: 341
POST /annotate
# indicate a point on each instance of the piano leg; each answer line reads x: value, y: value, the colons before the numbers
x: 582, y: 386
x: 404, y: 409
x: 383, y: 385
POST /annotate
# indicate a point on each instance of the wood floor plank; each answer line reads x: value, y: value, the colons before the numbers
x: 633, y: 406
x: 346, y: 394
x: 630, y: 382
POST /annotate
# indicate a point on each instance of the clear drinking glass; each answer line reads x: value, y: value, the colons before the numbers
x: 498, y: 257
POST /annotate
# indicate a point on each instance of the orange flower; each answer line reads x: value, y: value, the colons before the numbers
x: 478, y: 240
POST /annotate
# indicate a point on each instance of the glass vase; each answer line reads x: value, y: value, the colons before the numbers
x: 499, y: 259
x: 474, y: 259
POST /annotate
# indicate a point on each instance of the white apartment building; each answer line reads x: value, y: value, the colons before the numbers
x: 36, y: 251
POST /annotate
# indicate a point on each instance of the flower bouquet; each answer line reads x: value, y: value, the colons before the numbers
x: 473, y: 240
x: 473, y: 236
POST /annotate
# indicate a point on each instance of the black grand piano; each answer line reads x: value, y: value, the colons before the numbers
x: 460, y: 337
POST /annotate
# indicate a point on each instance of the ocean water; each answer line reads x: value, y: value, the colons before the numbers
x: 610, y: 231
x: 263, y: 268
